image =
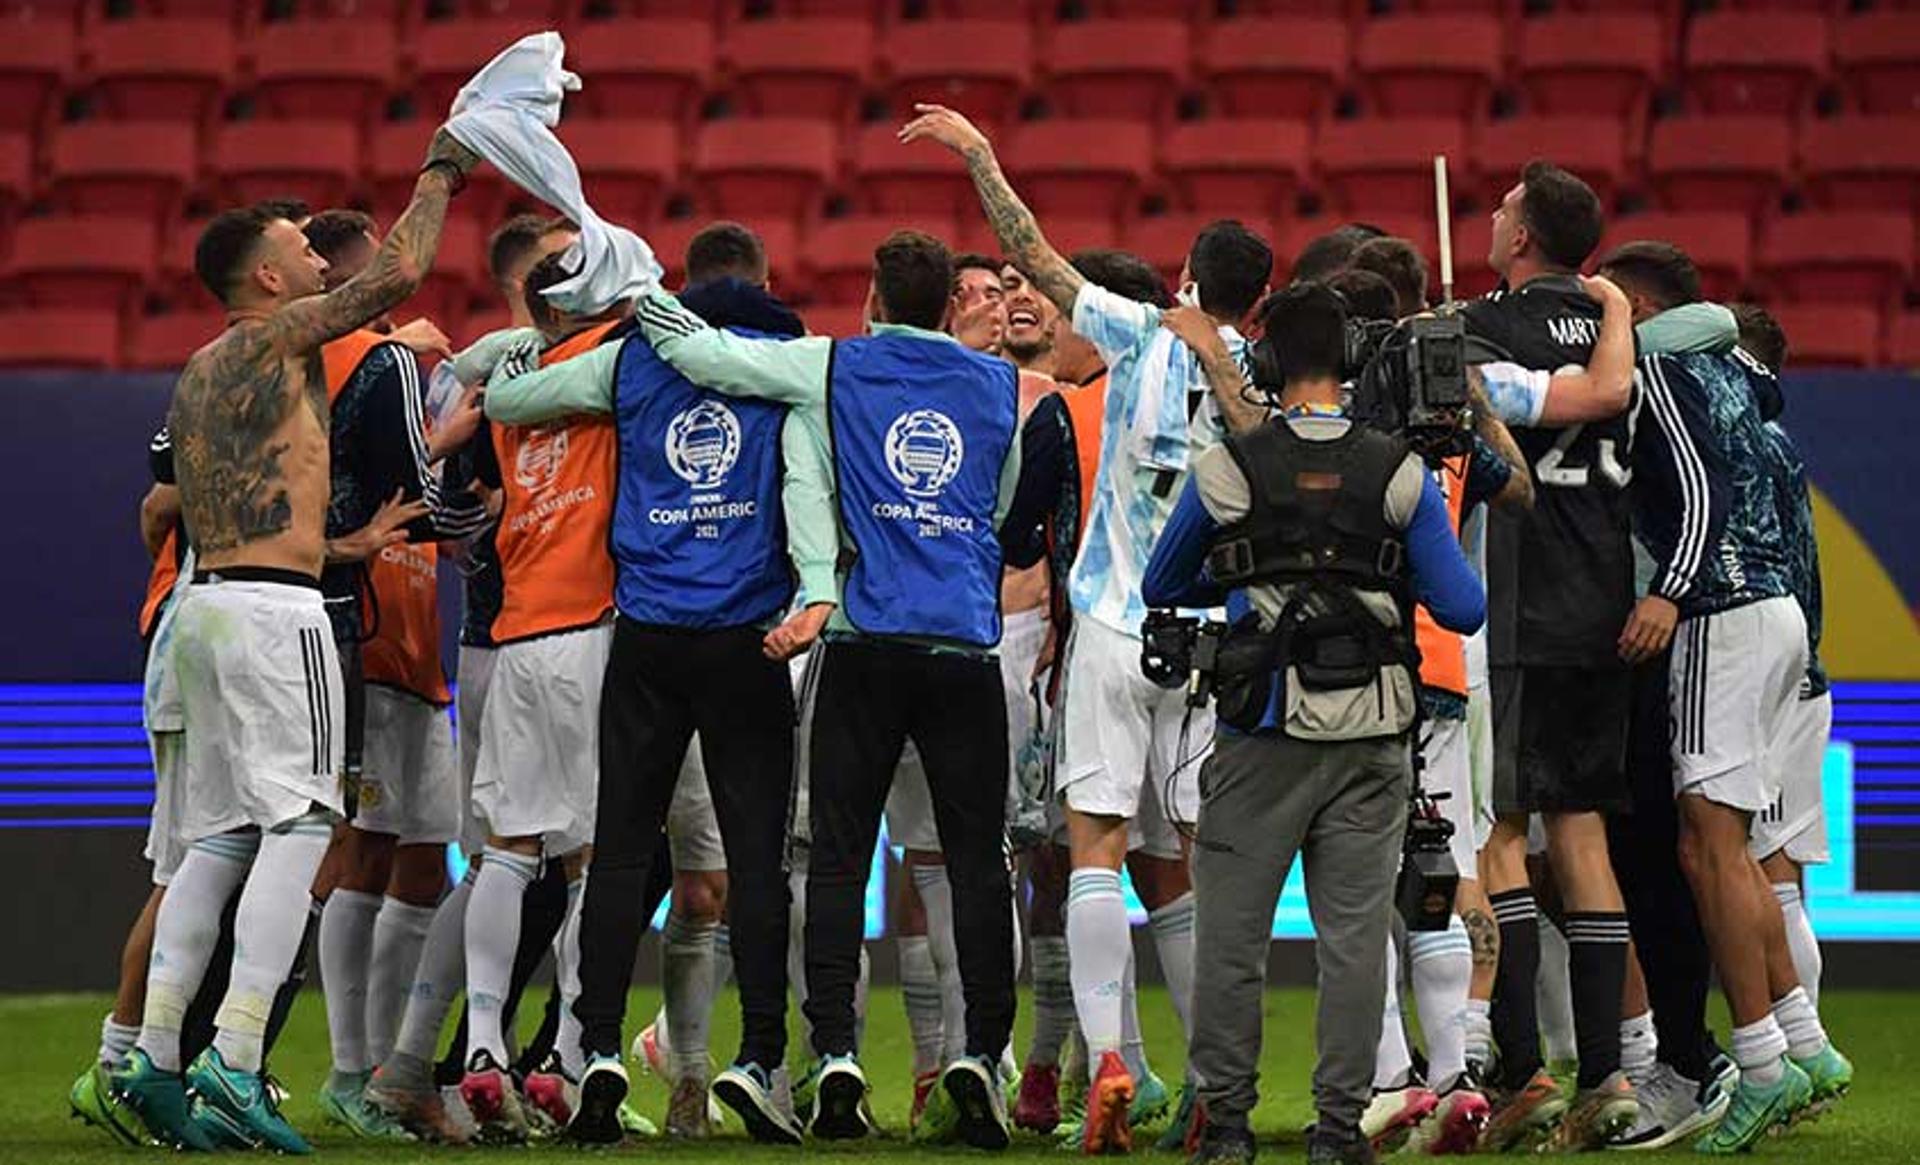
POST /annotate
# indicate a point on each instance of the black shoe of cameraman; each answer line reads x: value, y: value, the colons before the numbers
x: 1330, y: 1148
x: 1223, y: 1146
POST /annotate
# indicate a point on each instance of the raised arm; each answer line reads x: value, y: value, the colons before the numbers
x: 397, y: 267
x: 1225, y: 377
x: 792, y: 372
x: 1013, y: 224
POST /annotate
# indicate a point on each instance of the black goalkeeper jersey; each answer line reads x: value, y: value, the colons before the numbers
x: 1560, y: 577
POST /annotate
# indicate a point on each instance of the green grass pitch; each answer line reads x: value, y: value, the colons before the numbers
x: 45, y: 1041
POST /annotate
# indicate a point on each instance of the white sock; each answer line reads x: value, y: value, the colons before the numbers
x: 399, y: 935
x: 1440, y: 964
x: 440, y: 976
x: 1639, y: 1047
x: 861, y: 988
x: 920, y: 992
x: 1392, y: 1062
x: 1099, y: 946
x: 346, y: 964
x: 493, y: 933
x: 1757, y: 1048
x: 796, y: 947
x: 1133, y: 1042
x: 1801, y: 943
x: 566, y: 980
x: 1477, y: 1023
x: 267, y: 932
x: 1553, y: 995
x: 116, y: 1040
x: 184, y: 935
x: 722, y: 959
x: 1172, y: 927
x: 1801, y: 1024
x: 687, y: 966
x: 936, y: 894
x: 1053, y: 1017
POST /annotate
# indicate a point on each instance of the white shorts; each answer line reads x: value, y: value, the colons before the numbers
x: 1480, y: 761
x: 409, y: 781
x: 1797, y: 820
x: 1120, y: 742
x: 1449, y: 770
x: 165, y: 849
x: 538, y: 774
x: 473, y: 674
x: 1735, y: 684
x: 693, y: 832
x: 263, y: 705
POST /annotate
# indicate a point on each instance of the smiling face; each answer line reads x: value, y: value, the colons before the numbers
x: 1031, y: 319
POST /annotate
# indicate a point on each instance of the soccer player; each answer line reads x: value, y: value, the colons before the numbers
x: 1708, y: 513
x: 259, y: 678
x: 979, y: 312
x: 1128, y: 747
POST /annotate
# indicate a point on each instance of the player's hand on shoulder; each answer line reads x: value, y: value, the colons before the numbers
x: 423, y: 337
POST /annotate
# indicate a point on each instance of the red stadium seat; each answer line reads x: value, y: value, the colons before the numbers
x: 1089, y: 167
x: 1233, y: 162
x: 323, y: 68
x: 1429, y: 65
x: 655, y: 68
x: 1755, y: 62
x: 161, y: 70
x: 83, y: 261
x: 921, y: 177
x: 626, y: 167
x: 1720, y: 163
x: 1117, y: 68
x: 1067, y: 232
x: 1164, y: 240
x: 59, y: 339
x: 16, y: 174
x: 315, y: 160
x: 394, y: 153
x: 1903, y: 340
x: 1876, y: 57
x: 479, y: 323
x: 447, y: 53
x: 132, y: 168
x: 1862, y: 163
x: 1472, y: 239
x: 544, y: 11
x: 670, y: 237
x: 770, y: 167
x: 800, y: 68
x: 920, y: 64
x: 1275, y: 68
x: 33, y: 66
x: 836, y: 256
x: 1593, y: 147
x: 1386, y: 164
x: 1314, y: 9
x: 1721, y: 245
x: 1830, y: 337
x: 175, y: 282
x: 1860, y: 257
x: 459, y: 271
x: 1598, y: 64
x: 166, y: 341
x: 841, y: 321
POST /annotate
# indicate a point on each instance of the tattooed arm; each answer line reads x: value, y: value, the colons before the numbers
x: 397, y: 267
x: 1013, y: 224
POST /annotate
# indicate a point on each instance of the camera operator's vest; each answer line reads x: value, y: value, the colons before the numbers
x: 1316, y: 533
x: 699, y: 535
x: 921, y: 431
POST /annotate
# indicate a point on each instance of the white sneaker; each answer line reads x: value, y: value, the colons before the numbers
x: 1394, y: 1112
x: 1672, y: 1108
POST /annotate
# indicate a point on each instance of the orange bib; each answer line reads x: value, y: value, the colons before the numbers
x: 160, y: 579
x: 1086, y: 409
x: 404, y: 651
x: 1443, y: 653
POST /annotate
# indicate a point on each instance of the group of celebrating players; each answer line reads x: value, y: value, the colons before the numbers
x: 732, y: 592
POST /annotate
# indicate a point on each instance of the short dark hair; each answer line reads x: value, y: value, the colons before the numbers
x: 913, y: 275
x: 1232, y: 265
x: 1306, y: 326
x: 975, y: 261
x: 723, y: 249
x: 1561, y: 212
x: 292, y: 209
x: 228, y: 242
x: 1325, y: 254
x: 1368, y: 296
x: 1761, y: 335
x: 332, y: 232
x: 1400, y: 263
x: 512, y: 241
x: 1123, y: 273
x: 1660, y: 271
x: 550, y: 270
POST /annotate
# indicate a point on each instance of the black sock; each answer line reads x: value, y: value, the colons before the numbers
x: 1516, y: 1020
x: 1597, y: 965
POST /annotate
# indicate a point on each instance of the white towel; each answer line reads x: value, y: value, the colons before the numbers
x: 506, y: 114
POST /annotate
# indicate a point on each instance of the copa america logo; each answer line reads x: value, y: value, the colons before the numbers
x: 541, y: 454
x: 924, y: 451
x: 703, y: 442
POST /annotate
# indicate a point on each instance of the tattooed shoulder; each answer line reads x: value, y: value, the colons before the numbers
x: 228, y: 409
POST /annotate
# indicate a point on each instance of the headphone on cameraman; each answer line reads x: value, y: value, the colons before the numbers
x: 1264, y: 366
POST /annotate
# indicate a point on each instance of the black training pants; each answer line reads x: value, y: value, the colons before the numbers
x: 873, y: 697
x: 662, y: 686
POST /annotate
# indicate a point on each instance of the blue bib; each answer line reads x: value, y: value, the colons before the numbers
x: 921, y: 431
x: 699, y: 537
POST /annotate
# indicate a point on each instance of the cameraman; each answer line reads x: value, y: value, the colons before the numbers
x: 1300, y: 525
